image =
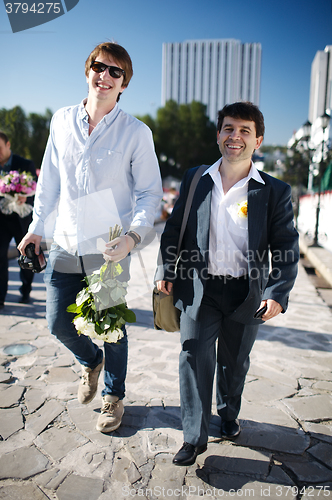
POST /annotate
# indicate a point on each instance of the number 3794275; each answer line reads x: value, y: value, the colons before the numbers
x: 35, y: 8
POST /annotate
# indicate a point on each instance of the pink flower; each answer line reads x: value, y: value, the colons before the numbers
x: 18, y: 188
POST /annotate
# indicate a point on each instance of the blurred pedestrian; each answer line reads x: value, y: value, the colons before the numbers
x: 12, y: 225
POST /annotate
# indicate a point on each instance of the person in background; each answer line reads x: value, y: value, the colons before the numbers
x: 12, y: 225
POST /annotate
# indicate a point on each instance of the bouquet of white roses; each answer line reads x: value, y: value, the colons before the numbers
x: 14, y: 186
x: 100, y: 308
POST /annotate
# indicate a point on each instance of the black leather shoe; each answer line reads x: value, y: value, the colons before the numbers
x: 2, y: 304
x: 188, y: 453
x: 230, y: 428
x: 25, y: 299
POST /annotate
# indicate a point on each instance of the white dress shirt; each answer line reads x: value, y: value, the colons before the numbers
x: 91, y: 182
x: 228, y: 238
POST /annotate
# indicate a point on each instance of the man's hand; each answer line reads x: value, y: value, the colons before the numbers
x: 30, y: 238
x: 119, y: 248
x: 164, y: 286
x: 273, y: 309
x: 21, y: 199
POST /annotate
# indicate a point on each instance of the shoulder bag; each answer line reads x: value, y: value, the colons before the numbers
x: 165, y: 315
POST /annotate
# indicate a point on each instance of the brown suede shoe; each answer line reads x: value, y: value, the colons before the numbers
x: 111, y: 414
x: 89, y: 383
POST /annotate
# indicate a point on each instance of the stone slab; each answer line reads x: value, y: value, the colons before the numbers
x: 165, y: 474
x: 309, y: 472
x: 22, y: 463
x: 37, y: 422
x: 232, y: 459
x: 58, y: 442
x: 266, y: 390
x: 60, y: 375
x: 274, y: 438
x: 323, y: 453
x: 241, y: 486
x: 11, y: 396
x: 5, y: 377
x: 84, y: 488
x: 22, y: 491
x: 34, y: 399
x: 321, y: 431
x: 11, y: 421
x: 313, y: 408
x: 51, y: 479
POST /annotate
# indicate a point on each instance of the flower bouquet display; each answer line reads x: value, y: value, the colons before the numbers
x: 100, y: 308
x: 14, y: 188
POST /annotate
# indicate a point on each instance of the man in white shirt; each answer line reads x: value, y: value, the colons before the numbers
x: 238, y: 219
x: 99, y: 169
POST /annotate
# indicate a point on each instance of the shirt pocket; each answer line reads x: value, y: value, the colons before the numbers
x: 106, y: 164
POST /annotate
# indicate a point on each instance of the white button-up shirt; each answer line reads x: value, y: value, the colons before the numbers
x: 89, y: 183
x: 228, y: 240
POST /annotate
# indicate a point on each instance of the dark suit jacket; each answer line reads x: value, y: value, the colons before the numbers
x: 270, y: 229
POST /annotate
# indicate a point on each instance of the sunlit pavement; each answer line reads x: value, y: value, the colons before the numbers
x: 50, y: 448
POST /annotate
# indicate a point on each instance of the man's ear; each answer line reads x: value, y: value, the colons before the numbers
x: 259, y: 141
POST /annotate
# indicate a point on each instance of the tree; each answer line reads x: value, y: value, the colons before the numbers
x: 39, y: 129
x: 184, y: 137
x: 15, y: 124
x: 27, y: 134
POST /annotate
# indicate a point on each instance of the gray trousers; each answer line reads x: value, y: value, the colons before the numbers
x: 199, y: 356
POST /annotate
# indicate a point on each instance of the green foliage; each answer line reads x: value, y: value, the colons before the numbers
x: 27, y: 134
x: 184, y: 137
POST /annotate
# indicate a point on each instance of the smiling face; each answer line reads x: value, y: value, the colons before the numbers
x: 237, y: 139
x: 102, y: 86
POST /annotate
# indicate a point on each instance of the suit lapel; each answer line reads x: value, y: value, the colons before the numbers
x: 202, y: 206
x: 258, y: 196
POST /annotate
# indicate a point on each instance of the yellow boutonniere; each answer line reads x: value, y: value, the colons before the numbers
x: 243, y: 210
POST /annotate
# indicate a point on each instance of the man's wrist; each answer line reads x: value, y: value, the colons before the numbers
x: 136, y: 237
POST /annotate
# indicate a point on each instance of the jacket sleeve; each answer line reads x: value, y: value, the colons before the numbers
x: 284, y: 247
x: 167, y: 258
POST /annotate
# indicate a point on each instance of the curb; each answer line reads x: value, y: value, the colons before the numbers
x: 320, y: 258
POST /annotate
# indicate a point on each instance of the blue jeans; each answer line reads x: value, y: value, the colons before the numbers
x: 64, y: 277
x: 198, y: 358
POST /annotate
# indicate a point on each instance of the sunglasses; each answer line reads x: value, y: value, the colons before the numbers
x: 114, y: 71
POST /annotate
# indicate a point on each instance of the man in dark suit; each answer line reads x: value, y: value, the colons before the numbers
x: 239, y: 219
x: 12, y: 225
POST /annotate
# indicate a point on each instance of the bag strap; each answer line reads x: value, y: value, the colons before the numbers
x: 198, y: 174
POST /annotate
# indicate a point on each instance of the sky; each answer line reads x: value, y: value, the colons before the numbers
x: 43, y: 67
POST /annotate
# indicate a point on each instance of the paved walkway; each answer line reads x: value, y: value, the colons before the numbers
x: 51, y: 450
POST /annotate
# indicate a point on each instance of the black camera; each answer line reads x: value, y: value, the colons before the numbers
x: 31, y: 261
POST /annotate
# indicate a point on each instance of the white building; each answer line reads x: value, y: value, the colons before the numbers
x: 320, y: 84
x: 214, y: 72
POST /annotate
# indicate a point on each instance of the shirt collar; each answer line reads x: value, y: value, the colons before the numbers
x: 83, y: 115
x: 253, y: 173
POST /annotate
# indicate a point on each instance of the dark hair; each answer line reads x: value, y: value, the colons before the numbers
x: 118, y: 53
x: 244, y: 111
x: 4, y: 137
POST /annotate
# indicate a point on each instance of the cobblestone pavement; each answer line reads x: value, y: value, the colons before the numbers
x: 51, y: 450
